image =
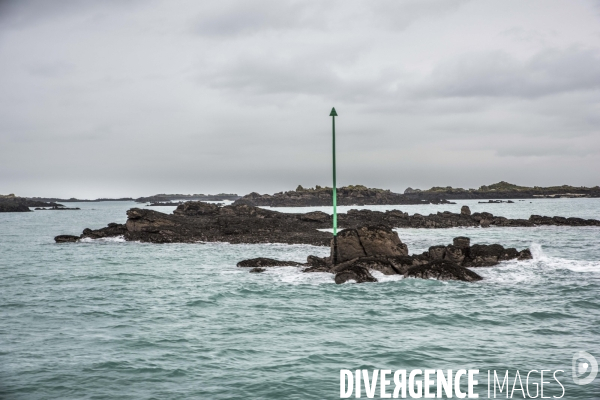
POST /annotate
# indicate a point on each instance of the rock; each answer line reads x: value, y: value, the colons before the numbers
x: 13, y: 207
x: 66, y: 239
x: 348, y: 245
x: 440, y: 262
x: 525, y: 255
x: 437, y: 252
x: 257, y: 270
x: 266, y: 262
x: 454, y: 254
x: 112, y: 230
x: 317, y: 264
x: 356, y: 273
x: 369, y: 241
x: 194, y: 208
x: 485, y: 223
x: 462, y: 242
x: 194, y: 222
x: 316, y: 216
x: 381, y: 241
x: 465, y: 210
x: 322, y: 196
x: 482, y: 255
x: 443, y: 270
x: 381, y: 264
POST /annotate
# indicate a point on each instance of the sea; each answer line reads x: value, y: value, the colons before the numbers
x: 110, y: 319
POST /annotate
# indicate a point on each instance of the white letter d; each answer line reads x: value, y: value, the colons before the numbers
x: 343, y: 374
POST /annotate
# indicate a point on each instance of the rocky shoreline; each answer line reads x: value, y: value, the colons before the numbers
x: 322, y: 196
x: 378, y: 248
x: 504, y: 190
x: 180, y: 198
x: 361, y: 195
x: 197, y: 221
x: 12, y: 203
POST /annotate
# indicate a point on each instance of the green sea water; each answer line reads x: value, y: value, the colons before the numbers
x: 109, y: 319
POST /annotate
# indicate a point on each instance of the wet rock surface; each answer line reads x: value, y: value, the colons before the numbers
x: 196, y: 221
x: 443, y: 270
x: 354, y: 273
x: 266, y: 262
x: 66, y: 239
x: 388, y: 255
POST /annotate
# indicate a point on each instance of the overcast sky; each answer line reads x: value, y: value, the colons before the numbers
x: 131, y: 98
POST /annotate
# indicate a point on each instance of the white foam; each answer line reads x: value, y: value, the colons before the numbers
x: 381, y: 277
x: 115, y: 239
x: 295, y: 276
x: 537, y: 252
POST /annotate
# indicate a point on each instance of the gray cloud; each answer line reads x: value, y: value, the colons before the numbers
x: 548, y: 72
x: 132, y: 98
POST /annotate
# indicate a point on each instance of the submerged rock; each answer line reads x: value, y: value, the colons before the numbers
x: 66, y: 239
x: 266, y: 262
x: 257, y: 270
x: 443, y: 270
x: 354, y: 273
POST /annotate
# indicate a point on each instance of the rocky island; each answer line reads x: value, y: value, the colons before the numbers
x: 362, y: 195
x: 378, y: 248
x: 196, y: 221
x: 356, y: 195
x: 503, y: 190
x: 12, y: 203
x: 168, y: 198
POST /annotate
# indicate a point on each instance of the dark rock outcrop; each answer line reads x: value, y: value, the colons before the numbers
x: 322, y: 196
x: 203, y: 222
x: 354, y: 273
x: 66, y: 239
x: 13, y: 207
x: 443, y: 270
x: 480, y: 255
x: 12, y: 203
x: 503, y: 190
x: 112, y: 230
x: 369, y: 241
x: 266, y: 262
x: 388, y: 255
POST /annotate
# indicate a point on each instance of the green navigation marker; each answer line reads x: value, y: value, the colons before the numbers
x: 333, y: 114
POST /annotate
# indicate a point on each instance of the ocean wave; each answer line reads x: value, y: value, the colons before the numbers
x: 115, y: 239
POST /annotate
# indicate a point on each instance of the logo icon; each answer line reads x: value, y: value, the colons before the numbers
x: 584, y: 364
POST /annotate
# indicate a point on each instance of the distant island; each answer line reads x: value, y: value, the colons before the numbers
x: 353, y: 195
x: 162, y: 198
x: 157, y: 198
x: 362, y: 195
x: 12, y: 203
x: 75, y: 200
x: 504, y: 190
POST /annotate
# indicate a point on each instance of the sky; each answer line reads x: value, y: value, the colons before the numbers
x: 130, y: 98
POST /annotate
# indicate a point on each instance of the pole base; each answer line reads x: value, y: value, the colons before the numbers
x: 335, y: 250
